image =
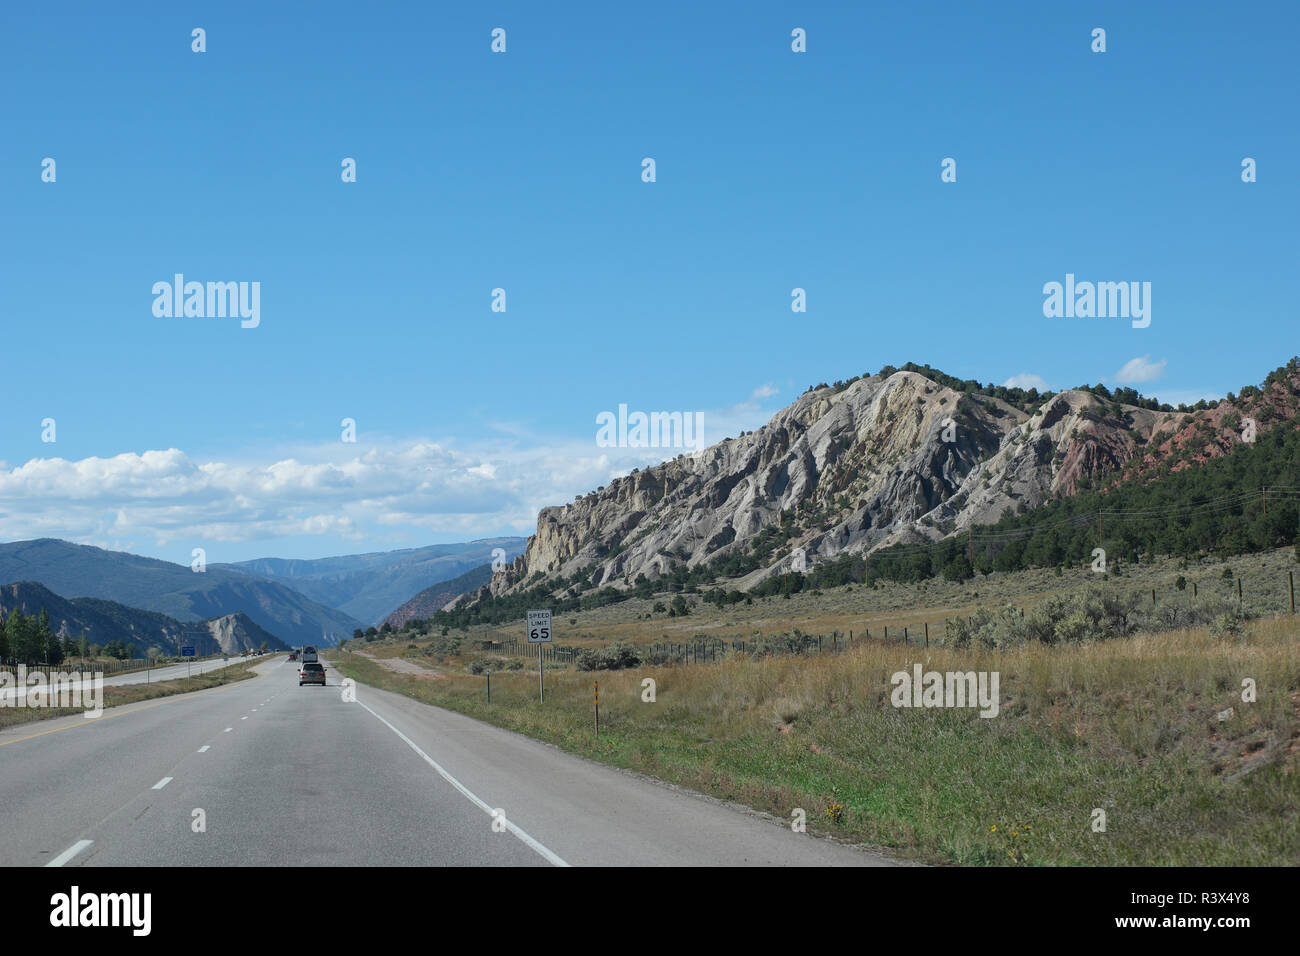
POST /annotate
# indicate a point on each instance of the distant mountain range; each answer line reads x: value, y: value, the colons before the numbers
x: 174, y: 590
x: 104, y: 621
x: 434, y: 598
x: 369, y: 586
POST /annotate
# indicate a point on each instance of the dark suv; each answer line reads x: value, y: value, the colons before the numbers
x: 312, y: 673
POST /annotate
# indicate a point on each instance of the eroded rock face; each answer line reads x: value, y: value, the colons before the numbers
x: 882, y: 461
x: 235, y: 633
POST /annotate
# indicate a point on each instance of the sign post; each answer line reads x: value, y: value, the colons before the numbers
x: 539, y: 633
x: 187, y: 651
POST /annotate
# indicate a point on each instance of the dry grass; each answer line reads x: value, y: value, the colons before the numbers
x: 1126, y: 726
x: 858, y: 608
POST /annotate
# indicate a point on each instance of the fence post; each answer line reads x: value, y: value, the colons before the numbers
x: 927, y: 633
x: 1291, y: 576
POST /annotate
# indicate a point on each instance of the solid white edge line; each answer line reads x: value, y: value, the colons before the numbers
x: 70, y: 852
x: 528, y: 841
x: 161, y: 783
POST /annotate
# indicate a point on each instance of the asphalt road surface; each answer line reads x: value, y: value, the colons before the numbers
x: 264, y: 773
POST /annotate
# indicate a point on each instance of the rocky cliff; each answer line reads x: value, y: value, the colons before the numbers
x: 883, y: 460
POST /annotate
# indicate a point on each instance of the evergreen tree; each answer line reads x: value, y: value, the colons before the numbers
x: 44, y: 636
x: 53, y: 650
x: 24, y: 638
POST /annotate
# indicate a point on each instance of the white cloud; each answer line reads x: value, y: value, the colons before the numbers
x: 1140, y: 370
x: 1027, y: 380
x: 397, y: 493
x: 766, y: 390
x: 420, y: 486
x: 379, y: 494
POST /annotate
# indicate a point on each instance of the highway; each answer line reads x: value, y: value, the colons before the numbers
x: 265, y: 773
x: 152, y: 675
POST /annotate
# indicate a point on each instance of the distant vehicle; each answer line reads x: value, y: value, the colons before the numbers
x: 312, y: 673
x: 293, y: 655
x: 309, y: 653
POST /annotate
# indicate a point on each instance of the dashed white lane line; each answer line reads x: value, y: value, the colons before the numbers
x: 162, y: 783
x: 70, y: 852
x: 245, y: 717
x: 204, y: 748
x: 551, y: 857
x: 228, y: 730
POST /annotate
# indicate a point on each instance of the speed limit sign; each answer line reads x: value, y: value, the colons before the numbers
x: 539, y: 627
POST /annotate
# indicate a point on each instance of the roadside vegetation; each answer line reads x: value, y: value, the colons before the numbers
x: 1107, y: 706
x: 117, y: 695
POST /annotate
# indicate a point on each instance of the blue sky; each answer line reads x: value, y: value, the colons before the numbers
x: 522, y: 171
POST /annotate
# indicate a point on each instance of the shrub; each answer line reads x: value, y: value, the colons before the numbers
x: 1089, y: 616
x: 618, y: 656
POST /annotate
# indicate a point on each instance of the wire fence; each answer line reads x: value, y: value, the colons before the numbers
x: 551, y: 653
x: 1256, y: 600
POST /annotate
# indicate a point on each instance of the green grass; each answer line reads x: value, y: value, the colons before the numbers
x: 1126, y: 726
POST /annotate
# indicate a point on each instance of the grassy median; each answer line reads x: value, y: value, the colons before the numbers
x: 115, y: 695
x: 1136, y: 728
